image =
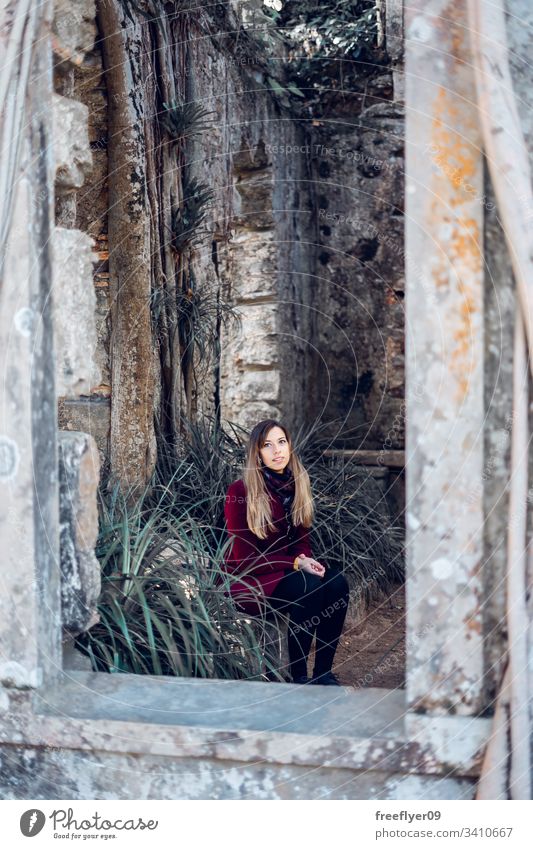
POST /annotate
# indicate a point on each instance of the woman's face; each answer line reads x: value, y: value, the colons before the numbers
x: 275, y: 452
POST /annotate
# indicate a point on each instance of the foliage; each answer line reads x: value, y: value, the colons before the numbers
x: 182, y: 120
x: 340, y: 29
x: 165, y: 607
x: 327, y: 42
x: 201, y: 313
x: 188, y: 217
x: 210, y: 459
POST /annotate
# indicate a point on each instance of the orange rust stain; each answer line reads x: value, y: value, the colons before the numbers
x: 461, y: 358
x: 457, y: 40
x: 466, y: 259
x: 455, y: 183
x: 455, y: 157
x: 464, y: 244
x: 463, y: 332
x: 472, y: 623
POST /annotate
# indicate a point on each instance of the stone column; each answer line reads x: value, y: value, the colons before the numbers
x: 445, y: 412
x: 249, y: 372
x: 75, y: 335
x: 30, y: 627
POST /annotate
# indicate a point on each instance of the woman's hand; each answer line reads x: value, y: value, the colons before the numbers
x: 308, y: 564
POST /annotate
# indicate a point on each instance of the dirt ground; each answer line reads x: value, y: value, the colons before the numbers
x: 371, y: 651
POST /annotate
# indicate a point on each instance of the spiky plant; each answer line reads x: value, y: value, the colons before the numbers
x: 210, y: 458
x: 182, y: 120
x: 188, y: 217
x: 201, y: 314
x: 352, y: 527
x: 165, y: 606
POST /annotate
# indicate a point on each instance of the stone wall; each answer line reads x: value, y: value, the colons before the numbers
x: 78, y: 364
x: 303, y: 242
x: 357, y: 165
x: 266, y: 356
x: 320, y: 337
x: 85, y: 207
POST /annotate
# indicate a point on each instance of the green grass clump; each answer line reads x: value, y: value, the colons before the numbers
x: 165, y: 607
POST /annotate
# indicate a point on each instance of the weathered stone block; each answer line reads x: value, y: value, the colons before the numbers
x: 73, y: 157
x: 256, y: 343
x: 256, y: 385
x: 88, y: 416
x: 79, y: 466
x: 253, y: 265
x: 253, y: 200
x: 73, y: 29
x: 74, y: 313
x: 74, y: 659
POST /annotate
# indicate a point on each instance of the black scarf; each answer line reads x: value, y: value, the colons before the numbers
x: 281, y: 485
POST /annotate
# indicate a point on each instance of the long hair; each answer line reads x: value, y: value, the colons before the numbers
x: 258, y: 508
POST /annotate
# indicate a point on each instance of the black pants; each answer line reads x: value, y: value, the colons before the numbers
x: 312, y: 604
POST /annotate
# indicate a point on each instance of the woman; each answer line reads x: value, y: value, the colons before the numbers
x: 268, y: 515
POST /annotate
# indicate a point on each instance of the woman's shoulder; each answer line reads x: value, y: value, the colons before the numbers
x: 237, y: 488
x: 235, y: 498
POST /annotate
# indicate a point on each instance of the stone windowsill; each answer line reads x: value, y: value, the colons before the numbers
x: 249, y: 722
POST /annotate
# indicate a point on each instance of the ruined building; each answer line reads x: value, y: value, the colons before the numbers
x: 326, y: 232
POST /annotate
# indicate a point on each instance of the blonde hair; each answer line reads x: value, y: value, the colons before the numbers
x: 258, y: 508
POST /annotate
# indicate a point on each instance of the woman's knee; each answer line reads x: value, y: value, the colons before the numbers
x: 336, y: 585
x: 312, y: 588
x: 290, y: 588
x: 309, y: 598
x: 301, y: 588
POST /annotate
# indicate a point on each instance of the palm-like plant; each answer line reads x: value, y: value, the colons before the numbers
x: 182, y: 120
x: 342, y: 28
x: 165, y: 606
x: 201, y: 313
x: 187, y: 218
x: 210, y: 458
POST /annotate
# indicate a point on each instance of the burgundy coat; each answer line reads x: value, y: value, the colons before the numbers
x: 264, y: 561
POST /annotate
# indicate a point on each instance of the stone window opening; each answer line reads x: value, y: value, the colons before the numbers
x: 235, y: 739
